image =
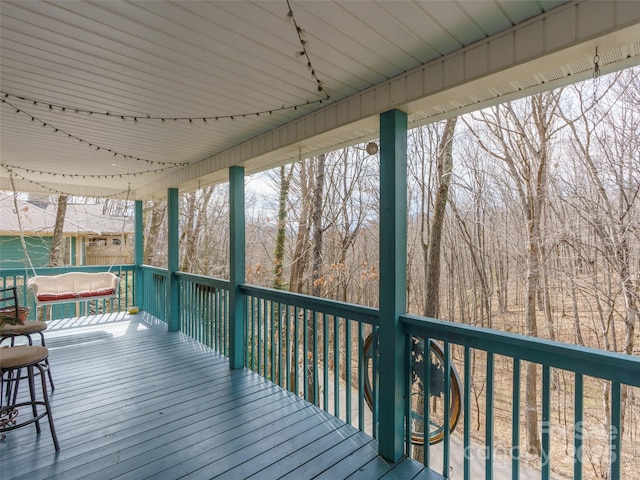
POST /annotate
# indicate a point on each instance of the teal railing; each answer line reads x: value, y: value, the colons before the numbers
x: 474, y: 421
x: 313, y: 347
x: 18, y: 277
x: 204, y: 310
x: 154, y: 291
x: 574, y: 385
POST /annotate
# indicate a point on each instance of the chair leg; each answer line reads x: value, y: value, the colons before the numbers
x: 46, y: 361
x: 32, y: 395
x: 45, y: 398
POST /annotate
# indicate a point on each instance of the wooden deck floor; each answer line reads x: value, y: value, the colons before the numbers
x: 135, y: 401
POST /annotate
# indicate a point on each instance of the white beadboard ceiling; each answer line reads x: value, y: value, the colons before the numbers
x: 70, y: 70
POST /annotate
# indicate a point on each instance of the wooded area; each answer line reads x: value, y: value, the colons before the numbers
x: 523, y: 217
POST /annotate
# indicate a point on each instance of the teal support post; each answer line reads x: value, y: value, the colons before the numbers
x: 237, y: 267
x: 173, y: 293
x: 393, y: 281
x: 138, y: 238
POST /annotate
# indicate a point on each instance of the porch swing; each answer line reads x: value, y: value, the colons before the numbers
x: 71, y: 286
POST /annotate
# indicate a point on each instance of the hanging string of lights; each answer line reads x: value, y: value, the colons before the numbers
x: 58, y: 108
x: 12, y: 173
x: 86, y: 175
x: 61, y: 131
x: 304, y: 53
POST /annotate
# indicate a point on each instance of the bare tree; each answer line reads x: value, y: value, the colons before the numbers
x: 520, y: 136
x: 56, y: 254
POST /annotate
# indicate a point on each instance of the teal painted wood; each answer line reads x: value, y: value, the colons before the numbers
x: 186, y: 414
x: 615, y: 431
x: 306, y: 361
x: 237, y: 265
x: 546, y: 423
x: 446, y: 456
x: 138, y: 250
x: 351, y: 311
x: 290, y: 354
x: 204, y: 314
x: 427, y: 411
x: 296, y: 316
x: 489, y: 419
x: 408, y: 446
x: 578, y: 421
x: 620, y: 369
x: 348, y: 380
x: 173, y: 261
x: 515, y: 422
x: 316, y: 372
x: 336, y: 365
x: 154, y: 281
x: 593, y: 362
x: 325, y: 360
x: 361, y: 374
x: 466, y: 400
x: 392, y: 284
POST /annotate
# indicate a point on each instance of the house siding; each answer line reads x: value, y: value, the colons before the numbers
x: 12, y: 254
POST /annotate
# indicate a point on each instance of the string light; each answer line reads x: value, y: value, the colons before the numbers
x: 87, y: 175
x: 52, y: 107
x: 304, y: 53
x: 59, y: 192
x: 90, y: 144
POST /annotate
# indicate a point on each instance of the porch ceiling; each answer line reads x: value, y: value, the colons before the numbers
x: 65, y: 65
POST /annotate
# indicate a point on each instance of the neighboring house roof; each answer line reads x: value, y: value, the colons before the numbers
x: 89, y: 220
x: 83, y: 219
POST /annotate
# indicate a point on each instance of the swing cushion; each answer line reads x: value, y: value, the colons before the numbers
x: 73, y: 286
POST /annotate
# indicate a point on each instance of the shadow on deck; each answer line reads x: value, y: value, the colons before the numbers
x: 135, y: 401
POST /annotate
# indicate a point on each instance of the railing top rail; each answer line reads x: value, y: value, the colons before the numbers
x: 617, y: 367
x: 204, y: 280
x: 151, y: 268
x: 333, y: 307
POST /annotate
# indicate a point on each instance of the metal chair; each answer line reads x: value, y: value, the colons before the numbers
x: 20, y: 328
x: 12, y: 361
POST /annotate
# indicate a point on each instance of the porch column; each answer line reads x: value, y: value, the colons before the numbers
x: 393, y: 282
x: 237, y: 267
x: 173, y: 262
x: 138, y: 238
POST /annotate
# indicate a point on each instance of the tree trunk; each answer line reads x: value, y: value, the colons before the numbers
x: 153, y: 240
x: 285, y: 182
x: 444, y: 167
x: 56, y: 254
x: 300, y: 259
x: 316, y: 276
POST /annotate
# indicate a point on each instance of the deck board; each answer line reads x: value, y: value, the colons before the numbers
x: 133, y: 401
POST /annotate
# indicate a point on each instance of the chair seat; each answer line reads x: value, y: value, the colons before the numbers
x: 27, y: 328
x: 18, y: 357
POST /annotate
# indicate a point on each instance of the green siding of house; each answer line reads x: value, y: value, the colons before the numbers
x: 12, y: 255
